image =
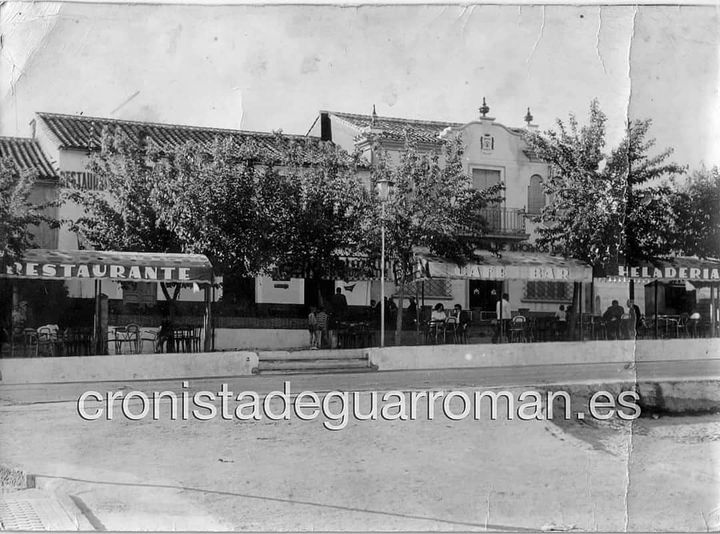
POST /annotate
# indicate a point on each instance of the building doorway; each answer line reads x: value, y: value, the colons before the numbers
x: 484, y: 294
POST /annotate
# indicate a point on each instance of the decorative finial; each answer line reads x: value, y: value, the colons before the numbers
x: 484, y: 109
x: 528, y: 117
x: 374, y: 117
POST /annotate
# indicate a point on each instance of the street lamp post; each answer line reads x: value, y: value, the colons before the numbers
x: 383, y: 186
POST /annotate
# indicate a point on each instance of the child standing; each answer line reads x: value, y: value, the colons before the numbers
x: 312, y: 328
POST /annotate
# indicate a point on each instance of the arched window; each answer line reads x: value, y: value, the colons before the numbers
x: 536, y: 195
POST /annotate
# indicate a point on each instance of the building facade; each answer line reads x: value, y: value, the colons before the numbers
x: 494, y: 154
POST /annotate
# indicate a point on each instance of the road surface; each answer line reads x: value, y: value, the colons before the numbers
x: 373, y: 475
x: 383, y: 381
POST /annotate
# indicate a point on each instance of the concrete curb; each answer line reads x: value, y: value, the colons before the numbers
x: 14, y: 478
x: 126, y: 367
x: 522, y: 354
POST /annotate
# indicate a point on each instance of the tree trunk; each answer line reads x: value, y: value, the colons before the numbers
x: 171, y: 300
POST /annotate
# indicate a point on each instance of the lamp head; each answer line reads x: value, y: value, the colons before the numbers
x: 384, y: 186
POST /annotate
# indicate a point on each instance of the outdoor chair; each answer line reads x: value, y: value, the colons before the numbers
x: 182, y: 338
x: 517, y: 329
x: 682, y: 325
x: 612, y: 328
x: 30, y: 343
x: 437, y: 329
x: 196, y: 338
x: 150, y: 336
x: 46, y: 342
x: 694, y: 327
x: 133, y: 336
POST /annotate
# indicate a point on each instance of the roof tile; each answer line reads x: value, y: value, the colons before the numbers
x: 83, y: 132
x: 27, y: 154
x: 396, y: 128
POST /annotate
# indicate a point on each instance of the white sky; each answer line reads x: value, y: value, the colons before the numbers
x: 273, y: 67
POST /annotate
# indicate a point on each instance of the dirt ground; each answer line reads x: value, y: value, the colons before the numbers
x: 651, y: 474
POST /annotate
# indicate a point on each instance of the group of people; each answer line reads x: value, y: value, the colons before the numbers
x: 457, y: 316
x: 623, y: 324
x: 319, y: 319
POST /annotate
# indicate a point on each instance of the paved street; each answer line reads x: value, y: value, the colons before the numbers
x: 417, y: 475
x: 407, y: 380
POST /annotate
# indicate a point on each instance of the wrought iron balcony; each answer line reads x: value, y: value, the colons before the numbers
x: 505, y: 222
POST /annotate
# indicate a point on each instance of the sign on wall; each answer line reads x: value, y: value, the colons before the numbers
x: 120, y: 266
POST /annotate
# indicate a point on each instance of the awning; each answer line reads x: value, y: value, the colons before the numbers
x: 676, y: 268
x: 47, y: 264
x: 505, y: 266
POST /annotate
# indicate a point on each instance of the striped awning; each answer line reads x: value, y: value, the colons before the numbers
x: 107, y: 265
x: 505, y: 266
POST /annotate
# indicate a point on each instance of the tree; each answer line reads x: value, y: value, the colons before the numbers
x: 584, y: 210
x: 647, y: 220
x: 124, y: 216
x: 252, y: 206
x: 208, y: 196
x: 320, y: 210
x: 600, y: 209
x: 432, y: 205
x: 696, y: 207
x: 17, y: 212
x: 604, y: 208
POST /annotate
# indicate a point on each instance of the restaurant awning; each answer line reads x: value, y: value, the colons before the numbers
x: 47, y: 264
x: 676, y: 268
x: 505, y: 266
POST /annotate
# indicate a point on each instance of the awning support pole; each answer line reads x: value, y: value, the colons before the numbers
x: 207, y: 322
x: 656, y: 308
x: 580, y: 307
x: 97, y: 336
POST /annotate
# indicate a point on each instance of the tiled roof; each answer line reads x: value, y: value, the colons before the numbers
x: 27, y: 154
x: 396, y: 128
x: 84, y: 133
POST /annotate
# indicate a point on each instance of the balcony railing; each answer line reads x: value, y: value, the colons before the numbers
x: 505, y: 221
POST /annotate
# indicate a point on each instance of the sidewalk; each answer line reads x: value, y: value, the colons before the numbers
x: 36, y: 509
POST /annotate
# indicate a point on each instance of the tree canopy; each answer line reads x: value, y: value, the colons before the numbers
x: 18, y: 214
x: 291, y: 205
x: 432, y: 205
x: 696, y: 205
x: 604, y: 206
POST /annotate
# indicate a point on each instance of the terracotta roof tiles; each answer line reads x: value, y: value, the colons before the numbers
x: 84, y: 133
x: 27, y: 154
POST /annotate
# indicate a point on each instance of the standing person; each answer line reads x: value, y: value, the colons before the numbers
x: 561, y: 322
x: 390, y: 311
x: 502, y: 310
x: 339, y: 305
x: 321, y: 327
x: 632, y: 323
x: 312, y: 327
x: 410, y: 313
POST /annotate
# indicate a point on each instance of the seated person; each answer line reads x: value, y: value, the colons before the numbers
x: 438, y: 313
x: 613, y: 315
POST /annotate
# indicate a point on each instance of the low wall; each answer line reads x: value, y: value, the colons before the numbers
x: 266, y: 338
x: 463, y: 356
x: 126, y: 367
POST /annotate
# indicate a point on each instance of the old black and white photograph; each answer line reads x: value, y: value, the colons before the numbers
x: 359, y: 267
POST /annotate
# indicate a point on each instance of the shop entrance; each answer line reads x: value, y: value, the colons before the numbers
x: 484, y: 294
